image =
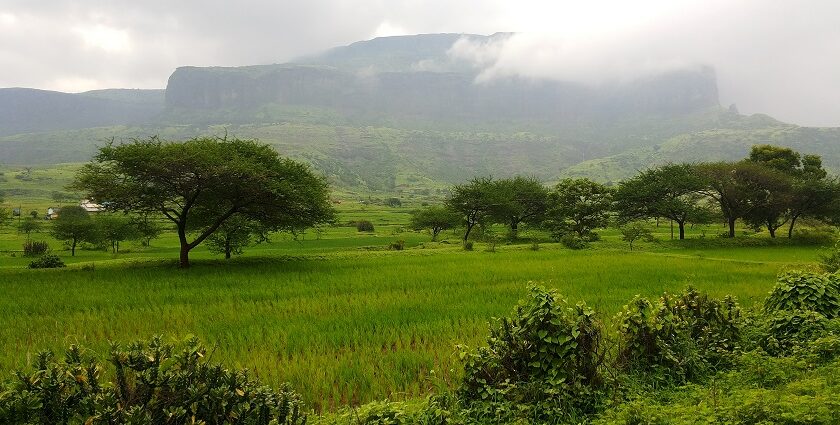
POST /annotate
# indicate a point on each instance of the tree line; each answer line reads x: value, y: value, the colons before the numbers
x: 773, y: 188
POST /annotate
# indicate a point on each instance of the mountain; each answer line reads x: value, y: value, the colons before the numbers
x: 25, y: 110
x: 395, y: 113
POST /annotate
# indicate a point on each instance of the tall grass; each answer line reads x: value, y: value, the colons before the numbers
x: 350, y: 328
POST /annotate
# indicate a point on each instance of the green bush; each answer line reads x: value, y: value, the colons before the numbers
x: 397, y: 245
x: 468, y: 245
x: 48, y: 261
x: 546, y: 355
x: 153, y: 383
x: 573, y: 241
x: 35, y: 248
x: 681, y: 338
x: 803, y: 290
x: 830, y: 261
x: 364, y: 226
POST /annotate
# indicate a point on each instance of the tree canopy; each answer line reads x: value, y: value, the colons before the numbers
x: 200, y: 183
x: 578, y: 206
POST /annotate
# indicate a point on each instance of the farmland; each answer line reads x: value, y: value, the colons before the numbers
x: 339, y: 316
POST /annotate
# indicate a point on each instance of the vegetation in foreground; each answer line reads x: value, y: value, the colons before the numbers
x: 673, y: 360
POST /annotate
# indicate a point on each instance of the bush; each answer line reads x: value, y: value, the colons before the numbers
x: 35, y: 248
x: 48, y: 261
x: 546, y: 355
x: 364, y: 226
x: 682, y: 338
x: 468, y: 245
x: 573, y: 241
x: 152, y: 382
x: 397, y: 246
x: 781, y: 332
x: 830, y: 261
x: 802, y: 290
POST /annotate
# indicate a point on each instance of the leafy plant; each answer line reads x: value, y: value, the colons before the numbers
x: 397, y: 245
x: 35, y: 248
x: 802, y: 290
x: 830, y: 261
x: 152, y: 382
x: 364, y: 226
x: 573, y: 241
x: 48, y: 261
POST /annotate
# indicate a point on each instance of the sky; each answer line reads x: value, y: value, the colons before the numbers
x: 779, y: 57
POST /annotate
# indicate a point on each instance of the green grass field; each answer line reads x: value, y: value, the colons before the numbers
x: 337, y: 315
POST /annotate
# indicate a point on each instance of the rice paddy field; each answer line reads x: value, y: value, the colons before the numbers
x: 334, y: 312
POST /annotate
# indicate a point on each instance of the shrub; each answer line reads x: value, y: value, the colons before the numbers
x: 546, y: 355
x: 803, y: 290
x: 830, y: 261
x: 681, y: 338
x: 48, y: 261
x: 35, y: 248
x: 397, y: 245
x: 573, y: 241
x: 781, y: 332
x: 152, y: 382
x: 468, y: 245
x: 364, y: 226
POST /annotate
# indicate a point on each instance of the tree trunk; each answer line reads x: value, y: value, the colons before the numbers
x: 792, y: 223
x: 681, y: 225
x: 435, y: 232
x: 672, y: 229
x: 185, y: 247
x: 731, y: 223
x: 514, y: 230
x: 227, y: 249
x: 73, y: 248
x: 469, y: 229
x: 772, y: 231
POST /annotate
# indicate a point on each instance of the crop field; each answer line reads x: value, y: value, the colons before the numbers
x: 336, y: 314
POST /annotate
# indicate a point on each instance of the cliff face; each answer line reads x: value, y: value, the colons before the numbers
x: 436, y: 95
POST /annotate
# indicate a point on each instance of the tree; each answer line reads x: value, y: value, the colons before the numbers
x: 234, y: 235
x: 579, y: 206
x: 147, y: 229
x: 435, y: 218
x: 73, y: 226
x: 670, y: 192
x: 115, y: 228
x: 29, y: 226
x: 635, y: 230
x: 523, y: 200
x: 474, y: 202
x: 723, y: 183
x: 778, y: 158
x: 201, y: 183
x: 769, y: 197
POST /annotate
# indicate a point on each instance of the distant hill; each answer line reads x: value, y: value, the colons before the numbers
x: 398, y: 112
x: 29, y: 110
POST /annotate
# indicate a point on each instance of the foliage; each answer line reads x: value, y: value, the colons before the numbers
x: 35, y: 248
x: 547, y: 354
x: 578, y: 206
x: 522, y: 200
x: 235, y: 234
x: 475, y: 202
x: 29, y: 226
x: 73, y: 226
x: 364, y: 226
x: 435, y: 218
x: 200, y: 183
x: 468, y: 245
x: 47, y: 261
x: 635, y: 230
x: 681, y: 338
x: 397, y: 245
x: 152, y: 382
x: 669, y: 191
x: 830, y: 260
x: 115, y: 228
x: 147, y: 229
x: 797, y: 290
x: 573, y: 241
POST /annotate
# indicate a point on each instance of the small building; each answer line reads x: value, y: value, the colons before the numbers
x: 52, y: 214
x: 91, y: 207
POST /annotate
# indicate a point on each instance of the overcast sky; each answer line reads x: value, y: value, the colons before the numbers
x: 780, y: 57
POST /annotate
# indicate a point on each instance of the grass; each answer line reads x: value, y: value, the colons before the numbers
x: 342, y: 325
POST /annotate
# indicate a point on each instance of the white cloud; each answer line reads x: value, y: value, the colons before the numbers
x: 111, y: 40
